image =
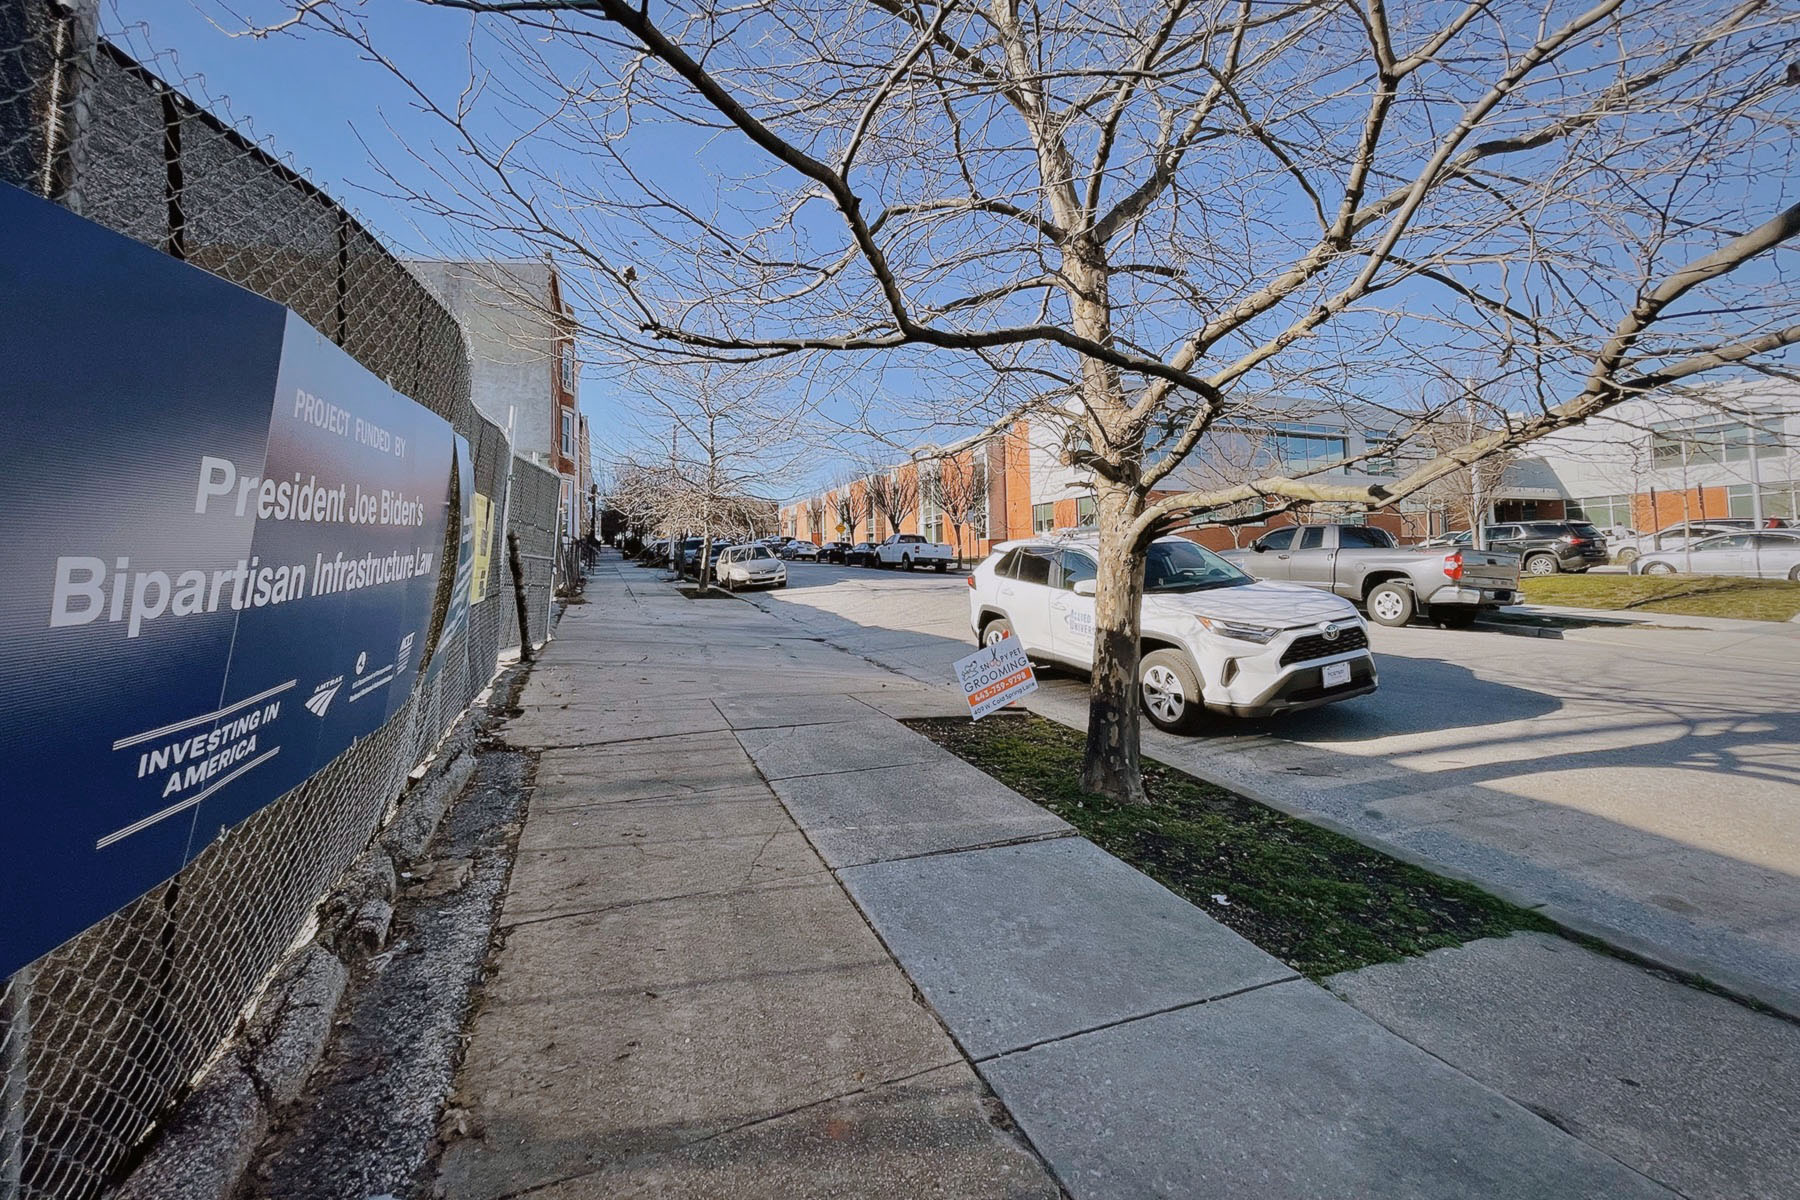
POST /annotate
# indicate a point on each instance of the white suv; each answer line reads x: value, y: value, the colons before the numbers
x: 1213, y: 637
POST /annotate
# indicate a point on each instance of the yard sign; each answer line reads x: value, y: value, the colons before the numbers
x: 994, y: 676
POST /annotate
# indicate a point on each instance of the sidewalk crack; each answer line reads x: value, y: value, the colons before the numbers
x: 1135, y: 1017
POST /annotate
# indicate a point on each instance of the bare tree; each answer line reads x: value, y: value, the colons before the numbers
x: 712, y: 436
x: 894, y: 493
x: 1465, y: 495
x: 1157, y: 210
x: 960, y: 491
x: 854, y: 503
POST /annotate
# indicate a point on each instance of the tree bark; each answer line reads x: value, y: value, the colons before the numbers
x: 1110, y: 767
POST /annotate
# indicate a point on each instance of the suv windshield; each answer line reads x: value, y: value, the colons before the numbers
x: 1183, y: 566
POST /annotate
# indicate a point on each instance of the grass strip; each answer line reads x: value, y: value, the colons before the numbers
x: 1680, y: 595
x: 1318, y: 901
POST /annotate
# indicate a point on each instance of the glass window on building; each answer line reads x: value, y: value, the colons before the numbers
x: 1043, y: 517
x: 1381, y: 462
x: 568, y: 434
x: 1307, y: 445
x: 1087, y: 512
x: 1778, y: 500
x: 1603, y: 511
x: 1701, y: 445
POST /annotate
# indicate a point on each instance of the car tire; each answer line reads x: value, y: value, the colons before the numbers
x: 1391, y: 604
x: 1626, y: 557
x: 1794, y: 575
x: 1657, y: 568
x: 1542, y: 564
x: 996, y: 631
x: 1169, y: 691
x: 906, y: 562
x: 942, y: 567
x: 1461, y: 617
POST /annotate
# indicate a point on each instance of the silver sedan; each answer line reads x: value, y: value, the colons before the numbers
x: 1757, y: 554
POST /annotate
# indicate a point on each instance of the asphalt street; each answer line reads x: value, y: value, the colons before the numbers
x: 1639, y: 783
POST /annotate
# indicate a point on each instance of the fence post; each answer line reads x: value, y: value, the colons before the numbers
x: 15, y: 1033
x: 518, y: 574
x: 77, y: 48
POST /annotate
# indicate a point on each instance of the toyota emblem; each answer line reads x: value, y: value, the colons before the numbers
x: 1330, y: 631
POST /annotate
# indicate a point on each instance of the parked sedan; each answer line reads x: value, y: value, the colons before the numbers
x: 1679, y: 537
x: 861, y: 555
x: 799, y: 551
x: 749, y: 566
x: 1757, y: 554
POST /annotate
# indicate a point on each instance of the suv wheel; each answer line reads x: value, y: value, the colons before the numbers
x: 996, y: 631
x: 1169, y: 689
x: 1391, y: 604
x: 1542, y: 564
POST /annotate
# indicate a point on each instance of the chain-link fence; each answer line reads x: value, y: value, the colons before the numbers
x: 99, y: 1038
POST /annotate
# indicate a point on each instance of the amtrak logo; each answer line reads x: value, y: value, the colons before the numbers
x: 320, y: 700
x: 1330, y: 631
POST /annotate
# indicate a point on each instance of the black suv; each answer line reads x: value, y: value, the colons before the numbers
x: 833, y: 552
x: 1546, y: 547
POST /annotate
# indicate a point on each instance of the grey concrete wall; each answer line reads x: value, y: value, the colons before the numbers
x: 504, y: 308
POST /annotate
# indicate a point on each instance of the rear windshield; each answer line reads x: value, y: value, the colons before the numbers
x: 911, y: 537
x: 1584, y: 529
x: 1365, y: 536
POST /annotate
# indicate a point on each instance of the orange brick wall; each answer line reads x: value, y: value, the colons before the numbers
x: 1653, y: 511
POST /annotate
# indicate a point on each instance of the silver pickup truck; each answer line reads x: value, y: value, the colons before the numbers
x: 1392, y: 583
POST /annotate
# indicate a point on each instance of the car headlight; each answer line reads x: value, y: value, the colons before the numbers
x: 1259, y: 634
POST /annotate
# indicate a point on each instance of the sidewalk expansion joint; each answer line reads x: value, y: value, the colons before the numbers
x: 815, y: 879
x: 1027, y: 839
x: 649, y: 737
x: 715, y: 1135
x: 1541, y: 1113
x: 918, y: 762
x: 754, y: 785
x: 1143, y: 1016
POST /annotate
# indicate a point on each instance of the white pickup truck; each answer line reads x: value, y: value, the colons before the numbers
x: 909, y: 550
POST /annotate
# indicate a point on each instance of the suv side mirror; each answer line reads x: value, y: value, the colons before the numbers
x: 1086, y: 587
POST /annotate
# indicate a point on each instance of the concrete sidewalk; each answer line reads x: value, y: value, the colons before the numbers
x: 688, y: 1003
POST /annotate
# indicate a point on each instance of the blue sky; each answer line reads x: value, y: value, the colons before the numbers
x: 312, y: 99
x: 309, y: 97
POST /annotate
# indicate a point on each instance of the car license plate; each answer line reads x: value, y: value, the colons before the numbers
x: 1337, y: 674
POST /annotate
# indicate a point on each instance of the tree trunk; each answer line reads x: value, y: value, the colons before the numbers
x: 1111, y: 764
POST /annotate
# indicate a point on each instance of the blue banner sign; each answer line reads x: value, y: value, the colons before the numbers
x: 222, y: 548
